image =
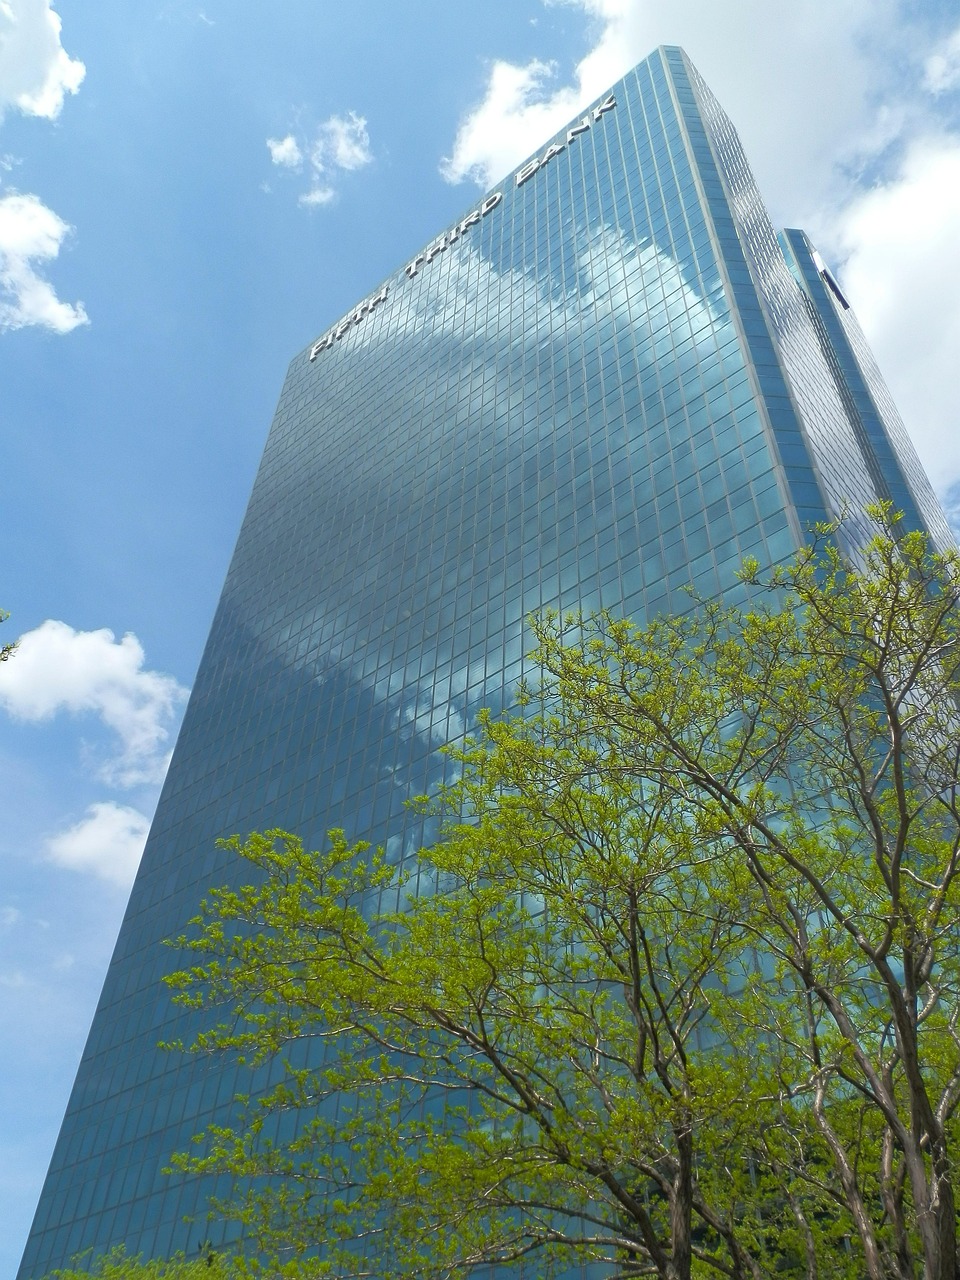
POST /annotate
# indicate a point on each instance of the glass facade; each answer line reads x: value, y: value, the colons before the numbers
x: 607, y: 383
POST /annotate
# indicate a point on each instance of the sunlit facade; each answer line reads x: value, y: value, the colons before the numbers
x: 605, y: 384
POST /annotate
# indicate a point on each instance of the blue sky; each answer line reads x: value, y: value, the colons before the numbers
x: 190, y: 194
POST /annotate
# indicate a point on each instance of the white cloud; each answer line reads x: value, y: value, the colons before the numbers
x: 60, y: 669
x: 35, y: 70
x: 902, y: 273
x: 941, y: 70
x: 35, y: 74
x: 285, y: 152
x: 317, y: 196
x: 803, y: 97
x: 108, y: 841
x: 516, y: 114
x: 31, y: 233
x: 9, y: 916
x: 341, y: 145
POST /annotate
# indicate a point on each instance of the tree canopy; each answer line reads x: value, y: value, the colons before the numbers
x: 674, y: 993
x: 119, y: 1265
x: 6, y: 650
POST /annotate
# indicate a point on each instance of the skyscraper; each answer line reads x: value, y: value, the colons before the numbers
x: 608, y: 381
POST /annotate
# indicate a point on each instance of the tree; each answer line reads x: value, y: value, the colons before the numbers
x: 682, y: 994
x: 6, y: 650
x: 119, y: 1265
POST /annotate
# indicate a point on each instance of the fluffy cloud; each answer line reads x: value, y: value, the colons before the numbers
x: 30, y: 233
x: 35, y: 75
x: 60, y: 669
x: 107, y: 841
x: 35, y: 70
x: 285, y: 152
x: 941, y: 69
x: 902, y: 272
x: 518, y: 111
x: 341, y: 144
x: 790, y: 129
x: 317, y: 195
